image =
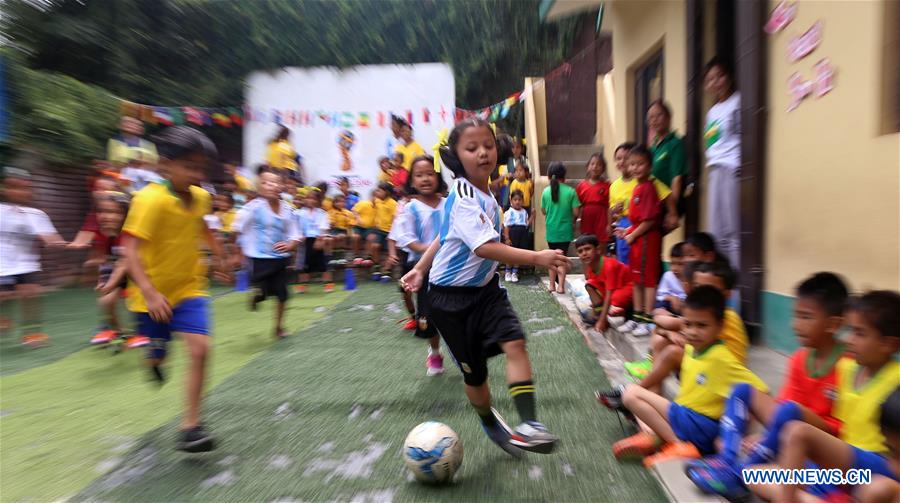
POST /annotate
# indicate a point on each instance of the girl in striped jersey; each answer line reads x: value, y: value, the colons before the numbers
x: 467, y: 306
x: 414, y: 229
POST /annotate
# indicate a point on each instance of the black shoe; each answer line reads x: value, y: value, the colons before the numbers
x: 196, y: 439
x: 500, y: 433
x: 157, y: 373
x: 611, y: 399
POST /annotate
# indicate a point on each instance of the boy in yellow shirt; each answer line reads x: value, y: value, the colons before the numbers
x: 385, y: 210
x: 342, y: 221
x: 168, y: 289
x: 689, y: 425
x: 863, y: 385
x: 364, y: 211
x: 409, y: 147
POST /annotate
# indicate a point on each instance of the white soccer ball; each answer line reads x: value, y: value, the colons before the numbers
x: 432, y: 452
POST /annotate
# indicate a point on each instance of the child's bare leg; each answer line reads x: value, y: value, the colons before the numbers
x: 410, y: 305
x: 354, y: 243
x: 658, y: 342
x: 801, y: 442
x: 650, y: 408
x: 638, y: 299
x: 667, y: 361
x: 518, y: 366
x: 561, y: 281
x: 881, y: 490
x: 552, y: 273
x: 198, y: 353
x: 594, y: 295
x: 107, y: 304
x: 649, y: 299
x: 279, y: 316
x: 435, y: 344
x: 30, y: 296
x: 480, y: 398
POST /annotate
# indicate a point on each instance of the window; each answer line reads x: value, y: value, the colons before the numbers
x: 648, y: 86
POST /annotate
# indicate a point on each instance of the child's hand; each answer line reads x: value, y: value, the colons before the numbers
x: 282, y: 247
x: 619, y: 233
x: 671, y: 222
x: 158, y: 307
x: 677, y: 339
x: 629, y: 239
x: 412, y: 281
x: 601, y: 325
x: 750, y: 442
x: 552, y: 259
x: 507, y: 241
x: 393, y: 260
x: 78, y: 246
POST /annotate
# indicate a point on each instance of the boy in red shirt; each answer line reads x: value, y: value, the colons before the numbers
x: 808, y: 392
x: 608, y: 281
x: 644, y: 238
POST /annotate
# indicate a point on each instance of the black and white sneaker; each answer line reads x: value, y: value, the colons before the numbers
x: 611, y: 399
x: 196, y: 439
x: 534, y: 437
x: 500, y: 433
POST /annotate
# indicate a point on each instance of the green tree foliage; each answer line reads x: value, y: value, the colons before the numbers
x: 198, y: 52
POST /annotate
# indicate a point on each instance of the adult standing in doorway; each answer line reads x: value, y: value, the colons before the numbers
x: 281, y: 154
x: 722, y: 139
x: 669, y: 164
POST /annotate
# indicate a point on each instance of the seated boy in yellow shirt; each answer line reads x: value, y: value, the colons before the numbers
x: 689, y: 425
x: 342, y: 221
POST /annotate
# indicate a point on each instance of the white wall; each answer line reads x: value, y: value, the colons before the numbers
x: 346, y: 95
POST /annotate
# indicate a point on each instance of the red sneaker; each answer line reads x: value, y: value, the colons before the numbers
x: 411, y: 324
x: 137, y: 341
x: 104, y: 337
x: 636, y: 446
x: 35, y: 339
x: 676, y: 450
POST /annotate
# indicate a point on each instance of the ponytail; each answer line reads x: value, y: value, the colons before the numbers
x: 557, y: 172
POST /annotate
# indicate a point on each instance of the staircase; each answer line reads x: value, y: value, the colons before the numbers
x: 574, y: 157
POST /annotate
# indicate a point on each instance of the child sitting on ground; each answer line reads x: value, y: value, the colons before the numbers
x: 687, y: 427
x: 666, y: 315
x: 863, y: 385
x: 341, y: 222
x: 608, y: 282
x: 385, y: 210
x: 364, y: 211
x: 516, y: 222
x: 808, y: 390
x: 668, y: 347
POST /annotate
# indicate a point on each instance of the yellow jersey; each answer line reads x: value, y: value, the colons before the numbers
x: 341, y: 219
x: 734, y: 336
x: 385, y: 209
x: 365, y: 211
x: 860, y: 408
x: 708, y: 376
x: 620, y: 192
x: 526, y: 187
x: 243, y: 183
x: 327, y: 204
x: 171, y: 235
x: 227, y: 219
x: 281, y: 155
x: 410, y: 152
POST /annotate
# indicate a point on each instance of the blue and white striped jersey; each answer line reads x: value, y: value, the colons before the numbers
x: 313, y: 222
x: 418, y: 223
x: 515, y: 217
x: 260, y: 228
x: 470, y: 219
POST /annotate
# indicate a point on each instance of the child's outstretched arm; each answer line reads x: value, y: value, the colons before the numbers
x: 115, y: 278
x: 412, y: 280
x: 493, y: 250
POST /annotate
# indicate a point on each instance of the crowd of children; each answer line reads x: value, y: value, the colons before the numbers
x: 152, y: 229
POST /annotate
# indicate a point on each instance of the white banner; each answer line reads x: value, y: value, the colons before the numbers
x: 322, y: 105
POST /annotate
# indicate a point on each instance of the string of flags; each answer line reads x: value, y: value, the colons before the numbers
x: 237, y: 116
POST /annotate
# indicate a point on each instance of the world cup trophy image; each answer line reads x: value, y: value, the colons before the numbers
x: 345, y: 143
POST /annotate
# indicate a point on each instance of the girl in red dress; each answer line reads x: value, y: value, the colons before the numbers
x: 593, y: 192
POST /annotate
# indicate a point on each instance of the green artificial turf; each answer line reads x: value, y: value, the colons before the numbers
x: 322, y: 417
x: 65, y: 423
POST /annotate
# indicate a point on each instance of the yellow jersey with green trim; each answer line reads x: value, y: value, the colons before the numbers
x: 620, y: 191
x: 365, y: 210
x: 171, y: 235
x: 707, y: 378
x: 734, y: 336
x: 859, y: 408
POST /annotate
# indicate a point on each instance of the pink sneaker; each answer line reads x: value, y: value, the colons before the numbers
x: 434, y: 365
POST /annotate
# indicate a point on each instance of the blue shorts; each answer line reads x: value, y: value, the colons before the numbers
x: 862, y: 460
x: 191, y: 316
x: 694, y: 427
x: 622, y: 248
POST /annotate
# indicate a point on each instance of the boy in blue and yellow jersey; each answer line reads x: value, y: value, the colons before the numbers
x: 688, y: 426
x: 165, y: 229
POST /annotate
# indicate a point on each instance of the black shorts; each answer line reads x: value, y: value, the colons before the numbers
x: 564, y: 246
x: 315, y: 259
x: 474, y: 321
x: 10, y: 282
x: 519, y: 236
x: 270, y: 276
